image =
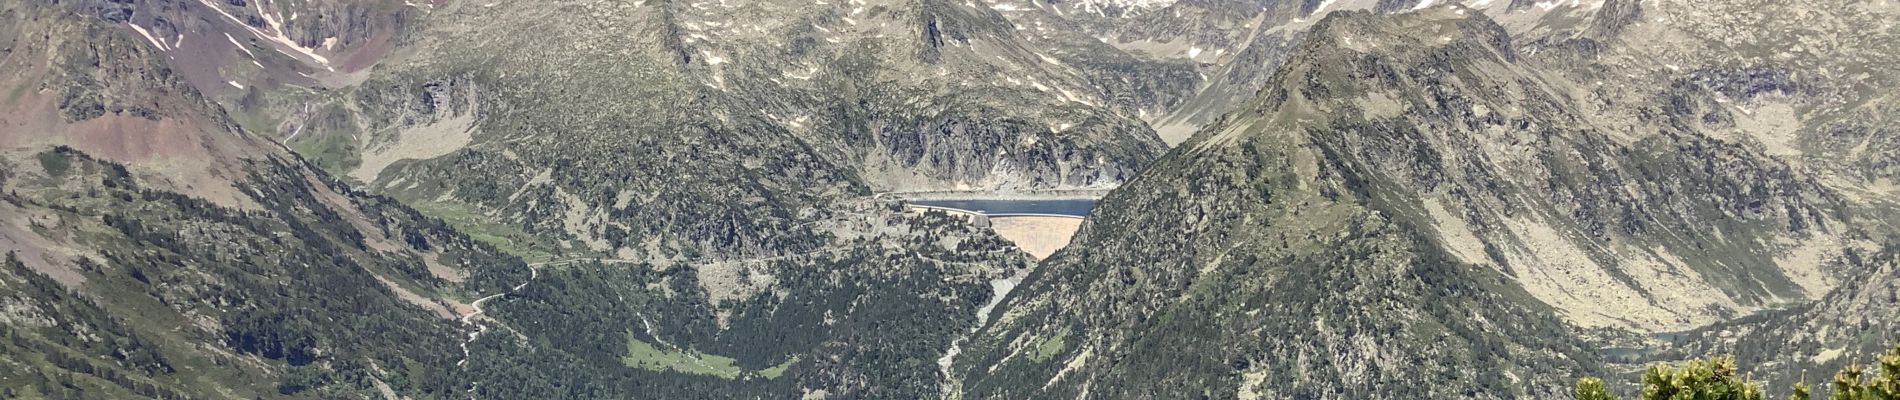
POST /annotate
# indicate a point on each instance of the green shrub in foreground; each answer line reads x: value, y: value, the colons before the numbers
x: 1715, y: 379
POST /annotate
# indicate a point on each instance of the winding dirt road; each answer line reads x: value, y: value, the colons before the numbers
x: 534, y: 271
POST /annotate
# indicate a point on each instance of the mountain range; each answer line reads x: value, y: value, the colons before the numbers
x: 702, y: 199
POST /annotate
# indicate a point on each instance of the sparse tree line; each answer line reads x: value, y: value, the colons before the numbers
x: 1716, y: 379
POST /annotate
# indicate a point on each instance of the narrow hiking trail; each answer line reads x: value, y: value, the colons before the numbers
x: 534, y: 271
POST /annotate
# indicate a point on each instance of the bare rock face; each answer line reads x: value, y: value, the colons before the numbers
x: 1587, y: 197
x: 600, y: 144
x: 155, y: 250
x: 1509, y: 172
x: 1809, y: 98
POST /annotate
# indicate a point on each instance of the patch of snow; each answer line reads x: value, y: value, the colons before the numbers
x: 1138, y: 5
x: 246, y: 50
x: 1071, y: 97
x: 148, y: 36
x: 277, y: 35
x: 1323, y: 5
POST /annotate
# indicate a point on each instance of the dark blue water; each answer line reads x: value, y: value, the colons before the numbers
x: 1627, y: 354
x: 1076, y: 207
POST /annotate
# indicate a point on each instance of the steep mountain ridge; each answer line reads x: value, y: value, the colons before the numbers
x: 1523, y: 170
x: 1579, y: 209
x: 1236, y: 45
x: 717, y: 160
x: 1799, y: 86
x: 1277, y: 276
x: 273, y: 281
x: 1808, y: 86
x: 231, y: 49
x: 886, y: 74
x: 878, y: 96
x: 155, y: 250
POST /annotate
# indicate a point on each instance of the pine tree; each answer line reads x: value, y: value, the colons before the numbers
x: 1853, y: 384
x: 1592, y: 389
x: 1712, y: 379
x: 1715, y: 379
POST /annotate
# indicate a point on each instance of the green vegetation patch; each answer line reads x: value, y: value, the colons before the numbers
x: 643, y: 355
x: 777, y: 370
x: 336, y: 154
x: 54, y: 163
x: 1050, y: 346
x: 507, y: 238
x: 1716, y: 378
